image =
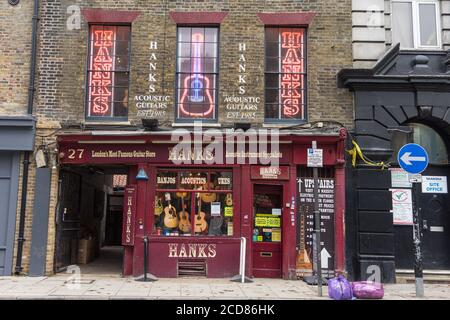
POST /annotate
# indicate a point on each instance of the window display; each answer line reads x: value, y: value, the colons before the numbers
x: 193, y: 202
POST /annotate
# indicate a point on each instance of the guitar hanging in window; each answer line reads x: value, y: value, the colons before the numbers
x: 197, y: 100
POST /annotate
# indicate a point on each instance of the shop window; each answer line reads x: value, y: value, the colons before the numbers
x: 426, y: 137
x: 108, y: 73
x: 415, y: 24
x: 197, y: 73
x: 194, y: 203
x: 285, y: 74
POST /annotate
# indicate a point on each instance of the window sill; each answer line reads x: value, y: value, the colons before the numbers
x: 191, y: 125
x: 107, y: 123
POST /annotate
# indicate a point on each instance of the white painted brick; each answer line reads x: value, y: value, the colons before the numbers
x: 368, y: 50
x: 368, y: 5
x: 372, y: 34
x: 372, y: 19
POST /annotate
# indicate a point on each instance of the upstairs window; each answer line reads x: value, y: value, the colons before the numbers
x: 108, y: 73
x: 197, y: 73
x: 416, y: 24
x: 285, y: 74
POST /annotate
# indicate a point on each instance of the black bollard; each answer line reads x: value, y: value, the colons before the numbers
x: 147, y: 276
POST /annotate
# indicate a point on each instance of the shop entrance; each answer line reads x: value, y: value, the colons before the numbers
x: 89, y: 220
x: 267, y: 230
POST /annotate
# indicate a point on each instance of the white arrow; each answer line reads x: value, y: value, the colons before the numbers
x: 406, y: 158
x: 324, y: 256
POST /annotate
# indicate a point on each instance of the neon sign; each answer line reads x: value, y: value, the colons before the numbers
x: 101, y: 80
x: 291, y: 80
x: 197, y: 89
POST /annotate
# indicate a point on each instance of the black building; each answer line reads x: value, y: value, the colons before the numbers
x: 404, y: 89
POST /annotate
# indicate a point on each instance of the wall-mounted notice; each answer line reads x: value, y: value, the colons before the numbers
x: 402, y: 206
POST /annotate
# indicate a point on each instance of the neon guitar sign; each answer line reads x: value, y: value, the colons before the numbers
x: 292, y: 81
x: 196, y: 100
x: 100, y: 81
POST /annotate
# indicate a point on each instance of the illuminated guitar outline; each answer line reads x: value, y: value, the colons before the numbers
x: 196, y: 81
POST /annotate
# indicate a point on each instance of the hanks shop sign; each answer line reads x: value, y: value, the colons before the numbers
x: 129, y: 216
x: 192, y: 250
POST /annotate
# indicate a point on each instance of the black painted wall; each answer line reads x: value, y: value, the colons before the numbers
x: 403, y: 87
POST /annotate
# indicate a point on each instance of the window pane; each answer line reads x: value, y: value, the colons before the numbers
x: 184, y: 49
x: 196, y: 74
x: 428, y: 36
x: 184, y: 34
x: 402, y: 25
x: 284, y: 77
x: 432, y: 142
x: 107, y: 82
x: 211, y: 35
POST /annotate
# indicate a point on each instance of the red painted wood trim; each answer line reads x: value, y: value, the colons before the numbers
x: 109, y: 16
x: 281, y: 19
x: 198, y: 17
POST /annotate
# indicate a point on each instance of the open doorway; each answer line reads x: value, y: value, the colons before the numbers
x: 89, y: 220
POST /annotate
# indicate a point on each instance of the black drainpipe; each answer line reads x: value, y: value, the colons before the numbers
x: 26, y: 158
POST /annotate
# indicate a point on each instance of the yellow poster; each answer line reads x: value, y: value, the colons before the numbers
x: 276, y: 235
x: 267, y: 220
x: 228, y: 211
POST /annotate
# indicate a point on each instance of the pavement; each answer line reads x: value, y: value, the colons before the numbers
x: 112, y: 287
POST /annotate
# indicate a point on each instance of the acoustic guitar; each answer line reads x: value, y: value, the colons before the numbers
x: 201, y: 226
x: 229, y: 200
x: 208, y: 196
x: 185, y: 221
x: 303, y: 260
x: 158, y: 206
x: 170, y: 215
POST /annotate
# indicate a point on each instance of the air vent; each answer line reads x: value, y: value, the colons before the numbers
x: 191, y: 268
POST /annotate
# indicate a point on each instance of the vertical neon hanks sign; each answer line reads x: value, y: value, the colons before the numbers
x: 292, y: 81
x: 101, y: 80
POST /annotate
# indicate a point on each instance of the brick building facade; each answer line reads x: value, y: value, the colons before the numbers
x: 61, y: 103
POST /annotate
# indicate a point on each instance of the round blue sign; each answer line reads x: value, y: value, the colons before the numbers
x: 413, y: 158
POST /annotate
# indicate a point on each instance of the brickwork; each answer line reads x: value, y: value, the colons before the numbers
x: 62, y: 58
x: 62, y: 67
x: 15, y: 39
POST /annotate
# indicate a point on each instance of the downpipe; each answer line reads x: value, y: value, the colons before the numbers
x: 26, y: 159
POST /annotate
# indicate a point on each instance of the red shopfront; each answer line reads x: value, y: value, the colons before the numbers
x: 194, y: 215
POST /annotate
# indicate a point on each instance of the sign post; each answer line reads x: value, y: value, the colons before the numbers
x: 414, y: 159
x: 315, y: 160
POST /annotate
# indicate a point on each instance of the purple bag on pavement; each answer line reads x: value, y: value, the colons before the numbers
x: 339, y: 288
x: 368, y: 290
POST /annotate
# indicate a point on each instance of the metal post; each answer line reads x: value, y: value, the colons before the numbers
x: 417, y: 238
x: 317, y: 227
x: 241, y: 276
x: 243, y: 244
x: 145, y: 257
x: 147, y: 276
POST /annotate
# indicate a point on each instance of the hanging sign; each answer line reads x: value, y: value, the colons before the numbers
x: 402, y: 206
x: 270, y: 172
x: 129, y: 216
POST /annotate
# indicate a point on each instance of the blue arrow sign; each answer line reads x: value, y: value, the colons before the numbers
x: 413, y: 158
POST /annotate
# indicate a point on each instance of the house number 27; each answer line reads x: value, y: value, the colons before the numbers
x: 73, y: 153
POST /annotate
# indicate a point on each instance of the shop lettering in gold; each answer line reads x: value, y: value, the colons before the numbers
x: 123, y: 154
x: 192, y: 250
x: 167, y: 180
